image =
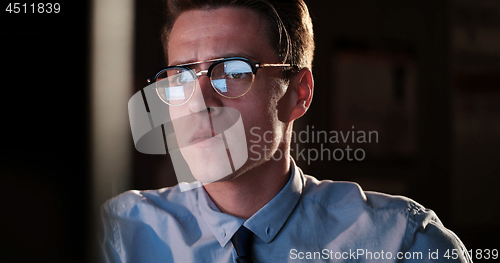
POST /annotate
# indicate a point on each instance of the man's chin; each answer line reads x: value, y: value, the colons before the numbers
x: 242, y: 171
x: 220, y: 173
x: 210, y: 174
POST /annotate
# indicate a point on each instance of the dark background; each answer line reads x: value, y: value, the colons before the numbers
x: 44, y: 172
x: 452, y: 168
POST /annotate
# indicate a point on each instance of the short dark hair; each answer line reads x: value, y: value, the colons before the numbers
x: 289, y: 24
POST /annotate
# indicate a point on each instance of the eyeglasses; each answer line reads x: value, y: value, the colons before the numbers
x: 230, y: 77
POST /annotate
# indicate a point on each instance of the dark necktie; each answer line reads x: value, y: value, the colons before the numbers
x: 242, y: 242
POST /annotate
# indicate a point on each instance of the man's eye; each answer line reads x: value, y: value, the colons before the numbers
x: 237, y: 75
x: 180, y: 79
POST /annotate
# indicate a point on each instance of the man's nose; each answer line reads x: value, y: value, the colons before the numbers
x: 204, y: 97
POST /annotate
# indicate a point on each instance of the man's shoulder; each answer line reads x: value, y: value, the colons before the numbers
x: 343, y: 195
x: 124, y: 200
x: 418, y: 228
x: 165, y: 198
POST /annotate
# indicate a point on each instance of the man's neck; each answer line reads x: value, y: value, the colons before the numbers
x: 244, y: 195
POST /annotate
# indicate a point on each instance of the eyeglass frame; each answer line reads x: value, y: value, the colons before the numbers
x: 254, y: 65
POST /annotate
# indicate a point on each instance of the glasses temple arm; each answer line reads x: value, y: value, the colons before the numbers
x: 263, y: 65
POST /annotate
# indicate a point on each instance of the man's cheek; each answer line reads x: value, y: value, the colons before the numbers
x: 255, y: 153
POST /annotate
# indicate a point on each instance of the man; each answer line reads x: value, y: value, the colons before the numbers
x: 250, y: 61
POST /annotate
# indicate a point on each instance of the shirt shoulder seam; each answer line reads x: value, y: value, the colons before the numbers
x: 115, y: 204
x: 411, y: 209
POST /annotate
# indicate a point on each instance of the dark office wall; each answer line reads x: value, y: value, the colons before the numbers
x: 419, y: 30
x: 43, y: 150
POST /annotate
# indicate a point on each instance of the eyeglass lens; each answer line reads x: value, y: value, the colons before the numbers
x: 231, y: 79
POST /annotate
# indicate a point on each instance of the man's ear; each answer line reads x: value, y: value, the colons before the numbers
x: 300, y: 94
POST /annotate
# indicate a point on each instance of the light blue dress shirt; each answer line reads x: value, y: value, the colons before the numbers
x: 308, y: 221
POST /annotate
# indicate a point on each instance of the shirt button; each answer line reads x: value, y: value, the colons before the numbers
x: 224, y: 234
x: 267, y: 230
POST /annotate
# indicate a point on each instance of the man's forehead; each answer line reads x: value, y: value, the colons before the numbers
x: 208, y: 34
x: 222, y: 20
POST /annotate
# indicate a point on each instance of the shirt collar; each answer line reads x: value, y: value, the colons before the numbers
x: 265, y: 223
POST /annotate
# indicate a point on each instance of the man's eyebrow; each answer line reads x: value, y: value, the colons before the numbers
x: 181, y: 62
x: 226, y: 55
x: 175, y: 63
x: 239, y: 54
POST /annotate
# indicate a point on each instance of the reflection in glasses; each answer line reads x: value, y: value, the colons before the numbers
x: 230, y: 77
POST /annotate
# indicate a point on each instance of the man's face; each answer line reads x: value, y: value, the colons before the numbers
x: 200, y: 35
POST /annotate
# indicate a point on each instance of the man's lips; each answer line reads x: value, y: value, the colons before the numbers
x: 203, y: 142
x: 201, y: 135
x: 202, y: 126
x: 198, y: 139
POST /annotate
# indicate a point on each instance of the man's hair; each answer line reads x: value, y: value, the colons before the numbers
x: 288, y: 21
